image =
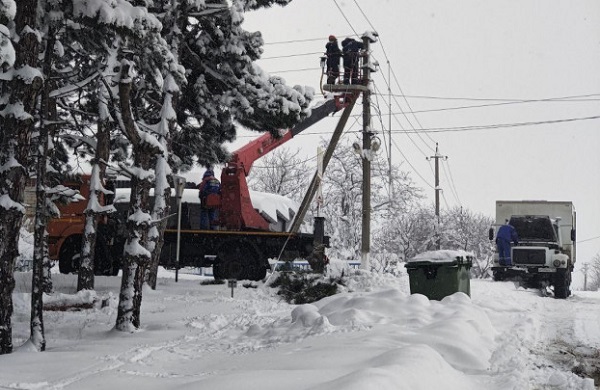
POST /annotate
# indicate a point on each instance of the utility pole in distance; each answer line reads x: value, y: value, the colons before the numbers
x: 437, y: 193
x: 586, y: 267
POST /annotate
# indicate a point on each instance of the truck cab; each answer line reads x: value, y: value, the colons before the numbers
x: 545, y: 253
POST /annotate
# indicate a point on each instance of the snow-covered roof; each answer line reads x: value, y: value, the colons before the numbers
x: 271, y: 206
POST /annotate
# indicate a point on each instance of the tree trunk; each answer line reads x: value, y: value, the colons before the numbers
x: 85, y: 276
x: 136, y: 256
x: 16, y: 125
x: 162, y: 189
x: 85, y: 280
x: 37, y: 337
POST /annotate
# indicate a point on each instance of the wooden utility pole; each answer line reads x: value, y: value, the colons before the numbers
x: 586, y: 267
x: 437, y: 189
x: 366, y: 151
x: 366, y: 154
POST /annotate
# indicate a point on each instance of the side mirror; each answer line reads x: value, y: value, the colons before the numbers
x: 573, y: 235
x: 491, y: 234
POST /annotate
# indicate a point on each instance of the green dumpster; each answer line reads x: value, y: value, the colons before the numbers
x: 440, y: 273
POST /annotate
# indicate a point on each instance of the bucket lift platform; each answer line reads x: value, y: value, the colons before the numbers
x: 345, y: 88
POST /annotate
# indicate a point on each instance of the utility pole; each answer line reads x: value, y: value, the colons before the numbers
x: 586, y: 267
x: 366, y: 153
x: 391, y: 194
x: 437, y: 189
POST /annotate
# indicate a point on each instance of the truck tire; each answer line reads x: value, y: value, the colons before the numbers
x: 238, y: 259
x: 217, y: 272
x: 498, y: 275
x: 105, y: 259
x: 70, y: 252
x: 68, y: 257
x: 562, y: 283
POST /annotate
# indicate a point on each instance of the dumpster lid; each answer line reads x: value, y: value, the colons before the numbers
x: 444, y: 256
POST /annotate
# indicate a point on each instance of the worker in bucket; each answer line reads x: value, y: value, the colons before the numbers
x: 334, y: 55
x: 350, y: 49
x: 505, y: 235
x: 210, y: 200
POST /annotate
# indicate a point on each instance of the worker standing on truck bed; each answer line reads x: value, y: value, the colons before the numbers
x: 506, y: 234
x: 210, y: 196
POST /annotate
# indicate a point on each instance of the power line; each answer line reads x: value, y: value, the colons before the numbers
x: 412, y: 166
x: 294, y: 70
x: 392, y: 71
x: 567, y: 98
x: 344, y: 15
x: 292, y: 55
x: 448, y: 174
x: 506, y: 103
x: 302, y: 40
x: 500, y: 125
x: 588, y: 239
x: 411, y: 125
x: 463, y: 128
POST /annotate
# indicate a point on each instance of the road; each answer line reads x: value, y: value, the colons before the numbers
x: 549, y: 332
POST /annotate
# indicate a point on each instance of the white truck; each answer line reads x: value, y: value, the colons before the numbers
x: 545, y: 253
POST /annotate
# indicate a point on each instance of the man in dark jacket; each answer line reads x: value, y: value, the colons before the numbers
x: 209, y: 212
x: 506, y: 234
x: 334, y: 55
x: 350, y: 49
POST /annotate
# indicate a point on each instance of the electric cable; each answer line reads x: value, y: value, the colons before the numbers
x: 344, y: 15
x: 412, y: 166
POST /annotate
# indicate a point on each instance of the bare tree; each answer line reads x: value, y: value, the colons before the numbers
x: 593, y: 283
x: 282, y: 172
x: 468, y: 231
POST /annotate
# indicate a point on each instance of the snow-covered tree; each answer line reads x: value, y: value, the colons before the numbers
x: 593, y: 276
x: 20, y: 85
x: 466, y: 230
x: 223, y: 84
x: 342, y: 207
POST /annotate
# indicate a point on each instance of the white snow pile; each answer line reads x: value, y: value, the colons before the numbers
x: 274, y: 207
x: 372, y: 336
x: 441, y: 256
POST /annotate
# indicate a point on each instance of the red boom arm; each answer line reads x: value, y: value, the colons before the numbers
x: 237, y: 212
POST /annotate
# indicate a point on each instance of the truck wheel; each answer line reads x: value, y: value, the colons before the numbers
x: 102, y: 258
x: 217, y: 272
x: 238, y: 259
x: 498, y: 276
x: 116, y: 255
x: 68, y: 258
x: 562, y: 282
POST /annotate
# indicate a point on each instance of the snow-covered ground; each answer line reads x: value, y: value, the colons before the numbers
x: 373, y: 336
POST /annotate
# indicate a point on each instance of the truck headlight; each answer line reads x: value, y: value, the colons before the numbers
x: 556, y: 263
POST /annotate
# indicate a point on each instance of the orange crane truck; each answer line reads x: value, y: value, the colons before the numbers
x: 246, y: 238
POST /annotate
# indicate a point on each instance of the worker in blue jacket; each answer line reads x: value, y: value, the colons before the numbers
x: 506, y: 234
x: 209, y: 213
x: 350, y: 49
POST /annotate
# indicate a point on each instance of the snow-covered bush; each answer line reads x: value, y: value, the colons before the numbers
x: 304, y: 287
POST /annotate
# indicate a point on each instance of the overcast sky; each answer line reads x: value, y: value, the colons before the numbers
x: 445, y: 56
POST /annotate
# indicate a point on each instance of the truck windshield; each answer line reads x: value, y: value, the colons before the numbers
x: 534, y: 227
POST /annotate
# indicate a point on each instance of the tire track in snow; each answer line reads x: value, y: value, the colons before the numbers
x: 531, y: 326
